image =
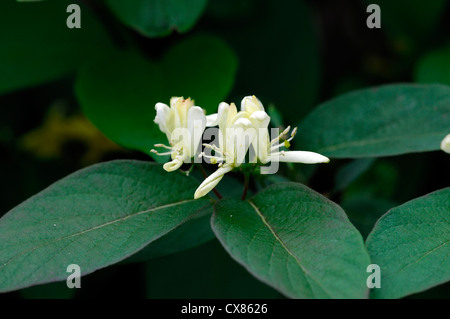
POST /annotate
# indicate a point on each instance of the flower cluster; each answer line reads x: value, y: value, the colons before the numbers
x: 240, y: 134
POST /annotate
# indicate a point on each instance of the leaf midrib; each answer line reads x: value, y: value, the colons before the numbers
x: 277, y: 237
x: 94, y: 228
x: 371, y: 142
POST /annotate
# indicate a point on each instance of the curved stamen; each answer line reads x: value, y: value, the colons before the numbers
x: 163, y: 146
x: 161, y: 154
x: 281, y: 135
x: 215, y: 148
x: 285, y: 142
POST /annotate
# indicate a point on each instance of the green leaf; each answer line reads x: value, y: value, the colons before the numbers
x: 296, y: 241
x: 118, y: 93
x: 380, y: 121
x: 94, y: 218
x: 411, y: 244
x: 434, y: 67
x: 194, y: 232
x: 156, y: 18
x: 191, y: 234
x: 37, y: 46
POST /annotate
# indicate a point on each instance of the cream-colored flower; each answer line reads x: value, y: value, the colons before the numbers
x: 183, y: 123
x: 240, y: 130
x: 235, y: 137
x: 445, y: 144
x: 267, y: 150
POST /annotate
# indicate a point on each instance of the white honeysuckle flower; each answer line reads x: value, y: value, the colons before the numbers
x: 236, y: 134
x: 445, y: 144
x: 212, y: 120
x: 240, y: 130
x: 183, y: 123
x: 268, y: 151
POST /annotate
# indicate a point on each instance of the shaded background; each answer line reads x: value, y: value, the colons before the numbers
x: 291, y: 54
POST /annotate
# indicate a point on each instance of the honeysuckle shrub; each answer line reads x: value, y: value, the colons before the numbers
x: 287, y: 235
x: 213, y: 174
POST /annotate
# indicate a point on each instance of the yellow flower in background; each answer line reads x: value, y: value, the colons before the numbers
x: 58, y: 129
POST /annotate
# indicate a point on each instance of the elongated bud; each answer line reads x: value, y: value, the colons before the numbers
x: 304, y: 157
x: 212, y: 181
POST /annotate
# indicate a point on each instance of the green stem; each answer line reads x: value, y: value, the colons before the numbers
x: 244, y: 192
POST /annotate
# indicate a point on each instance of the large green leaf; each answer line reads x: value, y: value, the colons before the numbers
x: 93, y: 218
x: 295, y: 240
x: 195, y: 232
x: 119, y: 93
x: 155, y: 18
x: 411, y: 244
x: 36, y: 45
x: 380, y: 121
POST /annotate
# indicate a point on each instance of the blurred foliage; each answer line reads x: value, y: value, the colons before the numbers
x: 264, y: 34
x: 156, y: 18
x: 37, y: 47
x: 434, y: 67
x: 409, y: 23
x: 118, y: 93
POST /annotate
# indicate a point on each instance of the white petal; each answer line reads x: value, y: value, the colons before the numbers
x: 212, y: 120
x: 241, y: 136
x: 175, y: 100
x: 445, y: 144
x: 212, y: 180
x: 162, y: 116
x: 223, y: 107
x: 178, y: 111
x: 222, y: 114
x: 196, y: 127
x: 251, y: 104
x: 173, y: 165
x: 243, y: 123
x: 260, y: 119
x: 299, y: 157
x: 161, y: 111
